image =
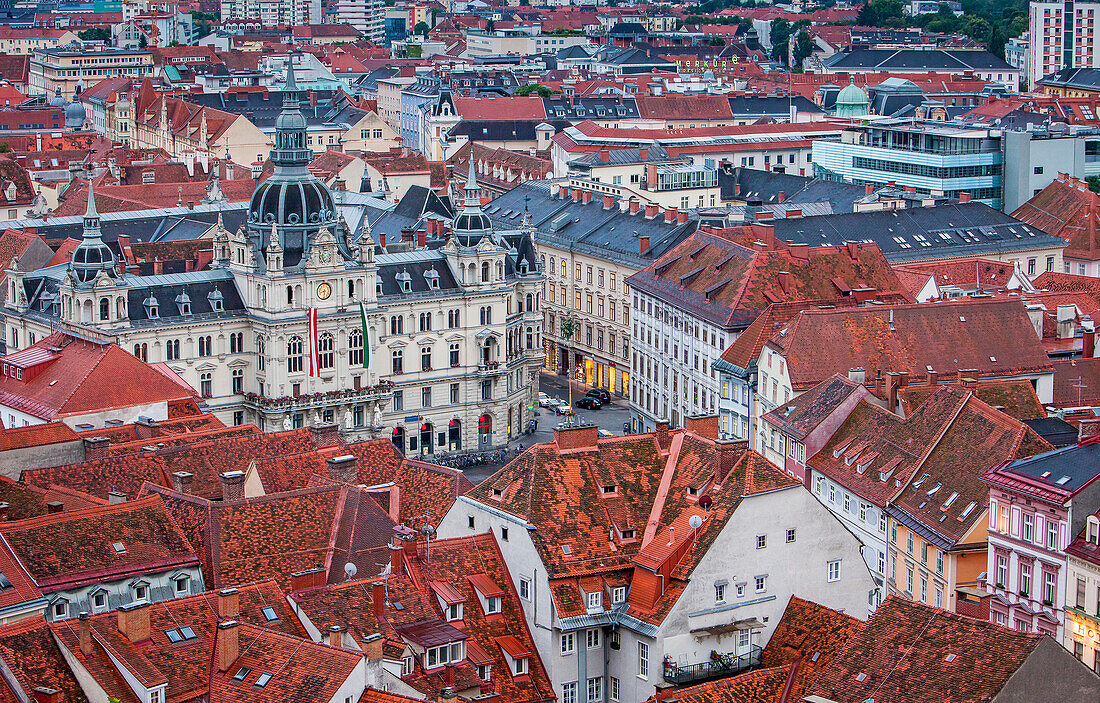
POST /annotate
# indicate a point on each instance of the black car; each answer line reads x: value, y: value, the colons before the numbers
x: 599, y: 394
x: 589, y: 403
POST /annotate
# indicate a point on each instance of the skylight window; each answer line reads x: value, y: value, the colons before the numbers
x: 566, y: 549
x: 968, y: 510
x: 1063, y: 481
x: 187, y: 633
x: 173, y: 636
x: 950, y: 499
x: 119, y: 548
x: 243, y: 672
x: 269, y: 614
x: 5, y: 582
x: 263, y: 679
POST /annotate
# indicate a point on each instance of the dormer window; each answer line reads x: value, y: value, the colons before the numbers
x: 431, y: 277
x: 183, y: 303
x: 444, y: 654
x: 152, y: 308
x: 488, y: 593
x: 594, y: 601
x: 378, y: 285
x: 609, y: 489
x: 523, y: 267
x: 404, y: 282
x: 1092, y: 529
x: 618, y: 593
x: 217, y: 301
x: 454, y: 612
x: 627, y: 534
x: 141, y: 592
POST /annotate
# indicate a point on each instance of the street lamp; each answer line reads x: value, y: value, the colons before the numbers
x: 569, y: 326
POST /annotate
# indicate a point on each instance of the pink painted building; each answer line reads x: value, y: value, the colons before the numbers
x: 1037, y: 506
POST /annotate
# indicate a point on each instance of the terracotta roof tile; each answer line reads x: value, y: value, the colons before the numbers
x: 32, y: 656
x: 990, y: 337
x: 1015, y: 398
x: 902, y: 653
x: 36, y: 436
x: 1068, y: 282
x: 68, y: 549
x: 802, y: 415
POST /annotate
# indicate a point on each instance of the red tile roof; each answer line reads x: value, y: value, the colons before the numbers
x: 989, y: 338
x: 350, y: 605
x: 883, y: 458
x: 715, y: 279
x: 82, y: 377
x: 802, y: 415
x: 1066, y: 208
x: 698, y: 107
x: 746, y: 349
x: 1015, y: 398
x: 901, y: 654
x: 1067, y: 282
x: 1076, y: 383
x: 964, y: 273
x: 71, y: 549
x: 186, y: 666
x: 501, y: 108
x: 36, y: 436
x: 29, y: 652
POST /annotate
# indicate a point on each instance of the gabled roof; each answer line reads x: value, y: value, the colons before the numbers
x: 1067, y: 283
x: 1066, y: 208
x: 802, y: 415
x: 513, y: 107
x: 698, y: 107
x: 412, y: 612
x: 28, y: 651
x: 564, y: 494
x: 713, y: 278
x: 746, y: 349
x: 924, y: 465
x: 986, y: 338
x: 82, y: 377
x: 1015, y: 398
x: 918, y: 654
x: 275, y: 646
x: 70, y: 549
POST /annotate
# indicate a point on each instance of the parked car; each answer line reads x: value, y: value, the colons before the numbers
x: 601, y: 394
x: 563, y: 409
x: 604, y: 433
x: 545, y: 401
x: 589, y: 403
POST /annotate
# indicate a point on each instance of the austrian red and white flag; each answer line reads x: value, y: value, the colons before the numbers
x: 313, y: 357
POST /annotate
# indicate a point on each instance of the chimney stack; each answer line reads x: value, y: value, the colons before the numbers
x: 661, y: 435
x: 635, y: 206
x: 232, y: 485
x: 228, y: 645
x: 681, y: 216
x: 1088, y: 428
x: 643, y: 153
x: 785, y: 281
x: 421, y: 238
x: 54, y: 507
x: 397, y: 559
x: 643, y: 245
x: 727, y: 458
x: 780, y: 197
x: 181, y: 481
x: 563, y: 191
x: 133, y: 621
x: 229, y: 604
x: 608, y: 202
x: 964, y: 197
x: 116, y: 497
x: 378, y: 599
x: 344, y: 469
x: 335, y: 636
x: 45, y: 694
x: 869, y: 188
x: 95, y: 447
x: 605, y: 155
x: 586, y: 197
x: 651, y: 210
x: 1088, y: 342
x: 85, y: 632
x: 574, y: 437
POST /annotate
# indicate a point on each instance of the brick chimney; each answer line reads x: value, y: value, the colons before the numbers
x: 45, y: 694
x: 575, y: 437
x: 608, y: 202
x: 232, y: 485
x: 586, y: 197
x: 869, y: 188
x: 651, y: 210
x: 643, y: 153
x: 728, y: 451
x: 335, y: 636
x: 643, y: 245
x: 54, y: 507
x: 785, y: 281
x: 964, y: 197
x: 576, y: 194
x: 397, y: 559
x: 702, y: 425
x: 378, y: 599
x: 421, y: 238
x: 563, y: 191
x: 1088, y: 339
x: 682, y: 216
x: 229, y: 604
x: 325, y: 435
x: 605, y: 155
x: 181, y: 481
x: 635, y: 206
x: 670, y: 214
x: 309, y: 578
x: 853, y: 249
x: 661, y: 435
x: 794, y: 213
x: 372, y: 646
x: 95, y: 447
x: 87, y: 647
x: 228, y: 645
x: 1088, y: 428
x: 344, y: 469
x: 737, y: 189
x: 799, y: 251
x: 133, y: 621
x: 780, y: 197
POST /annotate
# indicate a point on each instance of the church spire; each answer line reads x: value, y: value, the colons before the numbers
x: 92, y: 256
x: 290, y: 126
x: 91, y: 217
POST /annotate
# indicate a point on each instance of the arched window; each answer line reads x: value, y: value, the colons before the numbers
x: 425, y: 322
x: 500, y: 270
x: 294, y: 357
x: 141, y: 351
x: 104, y: 309
x: 326, y: 357
x: 351, y: 290
x: 261, y: 353
x: 355, y: 348
x: 531, y: 338
x: 290, y: 295
x: 206, y: 384
x: 484, y: 271
x: 530, y: 302
x: 206, y: 346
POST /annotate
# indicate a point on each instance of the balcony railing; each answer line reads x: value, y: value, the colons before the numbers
x: 344, y: 396
x: 716, y: 667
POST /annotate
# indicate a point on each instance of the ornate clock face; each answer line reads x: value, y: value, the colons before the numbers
x: 324, y: 291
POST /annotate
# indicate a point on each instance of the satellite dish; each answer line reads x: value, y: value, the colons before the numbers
x: 350, y: 570
x: 705, y: 502
x: 695, y: 522
x: 427, y: 530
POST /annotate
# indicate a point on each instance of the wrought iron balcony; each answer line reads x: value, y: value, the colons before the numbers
x: 308, y: 401
x: 716, y: 667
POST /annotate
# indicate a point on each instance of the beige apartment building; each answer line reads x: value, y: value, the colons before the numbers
x: 389, y: 99
x: 66, y: 67
x: 19, y: 40
x: 519, y: 42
